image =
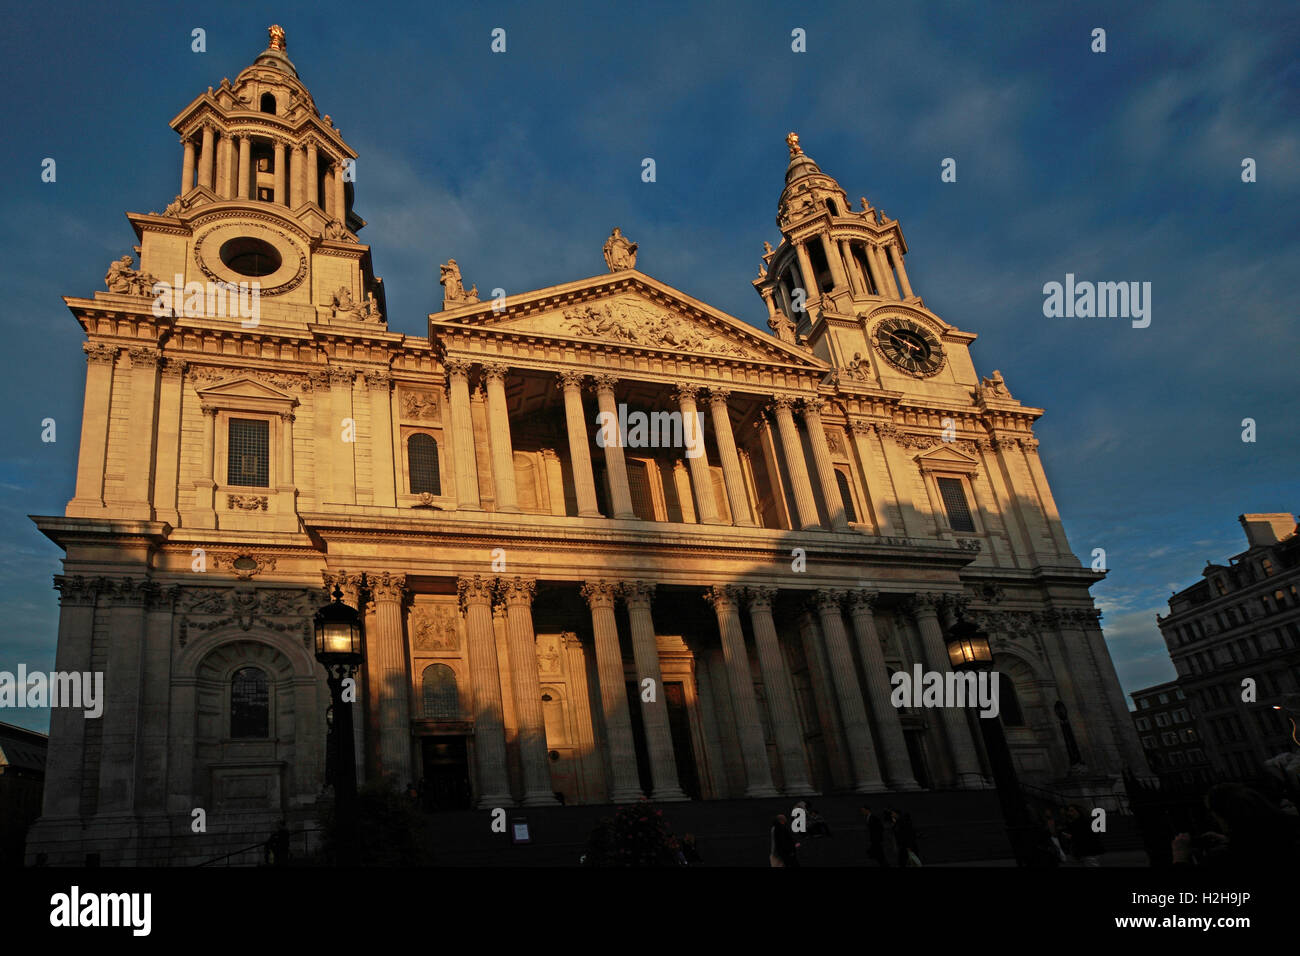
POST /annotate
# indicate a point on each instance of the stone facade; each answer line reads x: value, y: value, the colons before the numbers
x: 547, y: 616
x: 1242, y: 622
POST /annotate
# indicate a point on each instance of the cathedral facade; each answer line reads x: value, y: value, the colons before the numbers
x: 608, y: 541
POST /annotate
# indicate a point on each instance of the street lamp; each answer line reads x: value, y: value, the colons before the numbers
x: 339, y: 649
x: 969, y: 652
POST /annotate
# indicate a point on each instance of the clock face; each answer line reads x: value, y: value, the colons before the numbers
x: 909, y: 346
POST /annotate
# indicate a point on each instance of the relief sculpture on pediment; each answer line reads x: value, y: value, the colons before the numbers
x: 640, y: 325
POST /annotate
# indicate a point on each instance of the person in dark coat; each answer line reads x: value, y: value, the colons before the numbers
x: 784, y: 851
x: 875, y: 836
x: 1085, y: 845
x: 1252, y: 834
x: 906, y: 838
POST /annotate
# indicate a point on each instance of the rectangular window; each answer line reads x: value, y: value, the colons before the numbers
x: 248, y: 452
x: 954, y: 502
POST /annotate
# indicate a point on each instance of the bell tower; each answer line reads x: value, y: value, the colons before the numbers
x: 265, y: 199
x: 832, y: 260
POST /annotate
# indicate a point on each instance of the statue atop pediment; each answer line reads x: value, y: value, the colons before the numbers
x: 619, y: 253
x: 453, y: 291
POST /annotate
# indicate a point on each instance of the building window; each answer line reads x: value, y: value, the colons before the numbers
x: 1143, y: 704
x: 1164, y: 698
x: 1218, y: 583
x: 1143, y: 723
x: 1178, y: 692
x: 268, y: 103
x: 441, y: 698
x: 248, y: 456
x: 846, y: 495
x: 1162, y: 720
x: 954, y: 502
x: 1009, y: 702
x: 1267, y: 565
x: 250, y: 712
x: 422, y: 461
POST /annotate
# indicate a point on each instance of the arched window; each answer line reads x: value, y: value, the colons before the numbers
x: 250, y: 712
x: 268, y: 102
x: 441, y: 699
x: 830, y: 204
x: 422, y: 460
x: 846, y: 495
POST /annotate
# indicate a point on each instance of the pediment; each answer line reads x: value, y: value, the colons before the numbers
x: 945, y: 456
x: 244, y: 388
x: 633, y: 311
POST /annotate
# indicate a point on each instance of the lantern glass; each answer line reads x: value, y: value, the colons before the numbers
x: 968, y: 647
x: 338, y: 632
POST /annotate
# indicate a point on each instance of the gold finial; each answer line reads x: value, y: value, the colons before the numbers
x: 276, y: 33
x: 792, y: 140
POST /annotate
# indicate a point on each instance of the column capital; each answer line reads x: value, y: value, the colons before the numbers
x: 600, y: 594
x: 173, y: 368
x: 518, y: 591
x: 350, y: 583
x: 97, y: 354
x: 386, y: 587
x: 761, y: 598
x: 495, y: 372
x: 861, y: 427
x: 474, y: 589
x: 719, y: 396
x: 813, y: 406
x: 77, y: 591
x: 924, y: 602
x: 863, y: 601
x: 783, y: 402
x: 457, y: 368
x: 723, y: 596
x: 605, y: 382
x: 341, y: 376
x: 144, y: 357
x: 955, y: 603
x: 570, y: 380
x: 827, y: 600
x: 685, y: 393
x: 637, y: 593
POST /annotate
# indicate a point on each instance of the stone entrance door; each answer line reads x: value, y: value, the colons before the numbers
x: 446, y: 774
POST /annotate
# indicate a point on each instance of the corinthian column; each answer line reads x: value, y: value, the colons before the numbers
x: 964, y: 760
x: 489, y: 722
x: 795, y: 462
x: 584, y: 483
x: 812, y: 416
x: 898, y: 768
x: 626, y: 784
x: 462, y: 437
x: 780, y: 693
x: 503, y: 456
x: 706, y: 508
x: 615, y: 464
x: 522, y: 643
x: 206, y: 158
x: 187, y: 166
x: 857, y: 732
x: 245, y: 173
x: 896, y: 257
x: 387, y: 678
x: 753, y: 748
x: 731, y: 473
x: 281, y: 177
x: 654, y: 714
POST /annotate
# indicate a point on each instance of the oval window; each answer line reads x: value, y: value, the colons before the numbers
x: 244, y: 563
x: 250, y: 257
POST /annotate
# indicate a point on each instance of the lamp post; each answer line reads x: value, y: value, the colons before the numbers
x: 969, y: 651
x: 339, y: 649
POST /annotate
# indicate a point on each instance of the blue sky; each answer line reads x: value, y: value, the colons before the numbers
x: 1122, y: 166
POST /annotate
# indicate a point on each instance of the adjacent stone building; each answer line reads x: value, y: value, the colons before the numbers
x: 548, y: 615
x: 1170, y: 737
x: 1242, y: 622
